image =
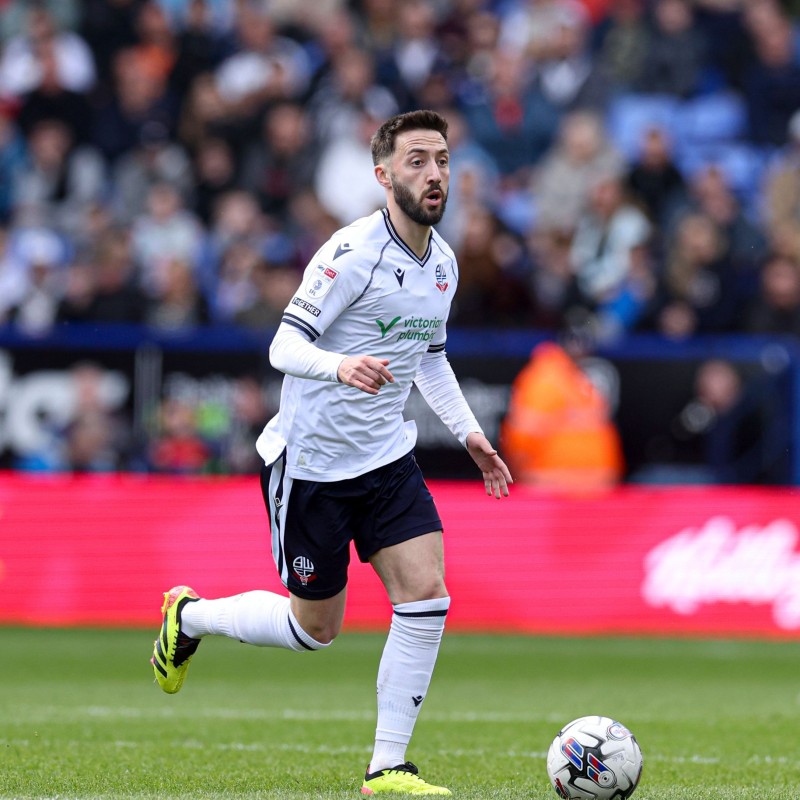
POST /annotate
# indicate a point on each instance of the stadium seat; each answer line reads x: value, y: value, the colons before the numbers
x: 630, y: 115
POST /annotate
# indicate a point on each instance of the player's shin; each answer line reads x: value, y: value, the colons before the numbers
x: 404, y: 675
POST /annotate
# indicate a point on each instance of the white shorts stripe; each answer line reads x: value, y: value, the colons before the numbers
x: 280, y: 485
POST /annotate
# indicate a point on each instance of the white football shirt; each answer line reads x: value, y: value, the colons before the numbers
x: 364, y: 292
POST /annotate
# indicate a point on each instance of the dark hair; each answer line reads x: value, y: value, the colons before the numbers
x: 383, y: 140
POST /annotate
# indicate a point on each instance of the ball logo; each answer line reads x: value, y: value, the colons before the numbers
x: 304, y: 569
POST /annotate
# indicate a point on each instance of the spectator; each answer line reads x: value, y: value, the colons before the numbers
x: 21, y: 61
x: 59, y: 181
x: 531, y: 27
x: 176, y: 447
x: 345, y: 94
x: 771, y: 81
x: 155, y: 159
x: 282, y: 161
x: 12, y: 161
x: 623, y: 41
x: 508, y: 115
x: 655, y: 180
x: 696, y: 294
x: 165, y: 232
x: 561, y: 183
x: 674, y: 59
x: 178, y: 303
x: 609, y: 259
x: 214, y: 177
x: 775, y: 309
x: 345, y: 183
x: 274, y: 285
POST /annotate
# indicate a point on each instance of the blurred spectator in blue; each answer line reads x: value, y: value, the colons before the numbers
x: 621, y: 41
x: 508, y: 115
x: 140, y: 98
x: 102, y: 285
x: 697, y: 293
x: 214, y: 170
x: 675, y: 55
x: 12, y: 160
x: 345, y: 181
x: 265, y: 67
x: 201, y: 43
x: 282, y: 161
x: 531, y: 27
x: 562, y: 180
x: 21, y: 60
x: 347, y: 92
x: 775, y: 309
x: 771, y: 80
x: 568, y: 75
x: 414, y: 54
x: 59, y: 182
x: 654, y: 178
x: 204, y: 115
x: 221, y: 14
x: 613, y: 278
x: 155, y: 159
x: 177, y: 303
x: 167, y: 231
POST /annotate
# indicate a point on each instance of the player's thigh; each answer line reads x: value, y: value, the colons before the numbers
x: 412, y: 570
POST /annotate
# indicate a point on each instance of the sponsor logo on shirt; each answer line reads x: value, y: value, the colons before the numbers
x: 320, y: 281
x: 417, y: 329
x: 306, y: 306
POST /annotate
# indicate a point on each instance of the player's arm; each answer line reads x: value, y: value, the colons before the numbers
x: 437, y: 383
x: 292, y: 353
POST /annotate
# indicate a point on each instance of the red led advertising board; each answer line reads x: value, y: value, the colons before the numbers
x: 698, y: 561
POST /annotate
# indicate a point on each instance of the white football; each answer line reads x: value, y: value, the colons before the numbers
x: 594, y: 757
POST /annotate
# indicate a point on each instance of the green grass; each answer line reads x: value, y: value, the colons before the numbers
x: 81, y: 718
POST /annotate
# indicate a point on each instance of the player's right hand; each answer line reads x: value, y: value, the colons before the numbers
x: 366, y: 373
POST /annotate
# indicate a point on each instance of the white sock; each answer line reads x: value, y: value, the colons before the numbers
x: 261, y: 618
x: 404, y: 675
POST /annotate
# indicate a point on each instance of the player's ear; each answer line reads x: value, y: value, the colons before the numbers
x: 382, y: 174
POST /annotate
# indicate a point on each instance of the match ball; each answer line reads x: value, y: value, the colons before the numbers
x: 594, y: 757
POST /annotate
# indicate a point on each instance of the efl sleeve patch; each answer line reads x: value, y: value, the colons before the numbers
x: 320, y: 281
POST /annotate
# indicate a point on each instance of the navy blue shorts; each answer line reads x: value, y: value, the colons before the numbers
x: 313, y: 522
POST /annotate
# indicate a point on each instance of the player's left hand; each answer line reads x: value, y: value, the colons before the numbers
x: 496, y: 476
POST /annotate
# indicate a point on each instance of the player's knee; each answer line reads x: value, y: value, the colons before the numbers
x: 323, y: 633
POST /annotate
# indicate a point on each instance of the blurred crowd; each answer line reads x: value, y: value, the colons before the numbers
x: 619, y: 166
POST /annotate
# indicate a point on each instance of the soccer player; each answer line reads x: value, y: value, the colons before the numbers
x: 368, y: 320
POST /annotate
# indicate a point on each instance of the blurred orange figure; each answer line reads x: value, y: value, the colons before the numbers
x: 558, y: 431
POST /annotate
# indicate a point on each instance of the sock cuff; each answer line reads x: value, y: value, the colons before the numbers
x: 423, y: 608
x: 303, y: 640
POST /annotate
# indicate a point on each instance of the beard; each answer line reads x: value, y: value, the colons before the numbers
x: 413, y: 208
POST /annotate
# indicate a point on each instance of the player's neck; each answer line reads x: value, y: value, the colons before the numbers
x: 415, y: 236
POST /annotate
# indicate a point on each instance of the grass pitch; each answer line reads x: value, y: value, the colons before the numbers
x: 81, y: 718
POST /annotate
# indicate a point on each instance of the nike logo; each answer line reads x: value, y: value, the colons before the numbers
x: 341, y: 250
x: 399, y: 274
x: 418, y: 699
x: 386, y: 328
